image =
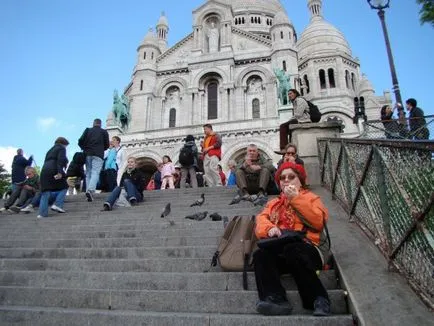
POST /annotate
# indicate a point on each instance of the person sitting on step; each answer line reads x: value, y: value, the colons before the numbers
x: 289, y: 154
x: 133, y: 181
x: 254, y: 174
x: 24, y: 191
x: 291, y: 211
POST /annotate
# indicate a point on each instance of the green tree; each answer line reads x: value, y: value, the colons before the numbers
x: 426, y: 12
x: 5, y: 179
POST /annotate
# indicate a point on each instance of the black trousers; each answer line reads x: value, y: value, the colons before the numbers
x: 284, y: 133
x: 299, y: 259
x: 110, y: 179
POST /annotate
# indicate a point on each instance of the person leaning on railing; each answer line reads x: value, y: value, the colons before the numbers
x: 417, y: 121
x: 389, y: 123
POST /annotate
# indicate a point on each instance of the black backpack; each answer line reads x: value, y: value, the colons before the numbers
x: 186, y: 156
x: 315, y: 114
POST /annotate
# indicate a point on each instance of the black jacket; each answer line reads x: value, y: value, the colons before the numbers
x: 94, y: 141
x: 75, y: 168
x: 19, y: 164
x: 137, y: 177
x: 416, y: 119
x: 55, y: 162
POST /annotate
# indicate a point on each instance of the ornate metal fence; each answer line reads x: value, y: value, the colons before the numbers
x: 387, y: 187
x: 413, y: 129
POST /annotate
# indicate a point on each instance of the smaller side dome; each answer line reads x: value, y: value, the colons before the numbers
x: 281, y: 19
x: 150, y: 38
x: 364, y: 86
x: 163, y: 20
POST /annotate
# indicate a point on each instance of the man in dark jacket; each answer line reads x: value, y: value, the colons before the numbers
x: 19, y: 164
x: 417, y: 122
x: 93, y: 142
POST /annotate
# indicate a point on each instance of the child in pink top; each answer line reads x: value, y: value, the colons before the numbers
x: 167, y: 172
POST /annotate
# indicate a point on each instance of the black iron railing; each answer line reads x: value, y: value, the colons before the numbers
x: 412, y: 129
x: 387, y: 187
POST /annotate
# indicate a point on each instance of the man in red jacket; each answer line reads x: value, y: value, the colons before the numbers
x: 211, y: 155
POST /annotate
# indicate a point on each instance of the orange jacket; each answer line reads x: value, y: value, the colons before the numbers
x: 213, y: 140
x: 307, y: 203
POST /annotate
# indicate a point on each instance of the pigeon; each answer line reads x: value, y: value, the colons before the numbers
x: 225, y: 221
x: 235, y: 200
x: 166, y: 211
x: 197, y: 216
x: 215, y: 217
x: 199, y: 202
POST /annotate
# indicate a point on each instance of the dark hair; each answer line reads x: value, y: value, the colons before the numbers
x: 412, y: 102
x: 383, y: 109
x: 97, y: 122
x: 294, y: 91
x: 189, y: 138
x: 117, y: 138
x: 207, y: 125
x: 61, y: 141
x: 168, y: 157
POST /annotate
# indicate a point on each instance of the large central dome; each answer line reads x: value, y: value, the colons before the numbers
x: 269, y: 6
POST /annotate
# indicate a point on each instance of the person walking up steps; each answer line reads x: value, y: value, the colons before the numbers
x: 94, y: 141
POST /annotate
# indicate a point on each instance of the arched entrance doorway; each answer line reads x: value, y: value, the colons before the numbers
x: 148, y: 167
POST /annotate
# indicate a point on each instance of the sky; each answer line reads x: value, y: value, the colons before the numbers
x: 61, y: 60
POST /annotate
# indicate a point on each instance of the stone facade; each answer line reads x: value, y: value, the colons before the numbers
x: 223, y: 73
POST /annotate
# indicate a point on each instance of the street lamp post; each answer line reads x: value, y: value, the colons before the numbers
x: 380, y: 5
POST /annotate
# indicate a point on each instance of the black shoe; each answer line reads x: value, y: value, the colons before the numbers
x: 215, y: 217
x: 89, y: 196
x: 274, y: 306
x: 15, y: 209
x: 133, y: 201
x: 106, y: 207
x: 321, y: 307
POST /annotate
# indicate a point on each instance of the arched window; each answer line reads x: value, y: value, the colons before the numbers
x: 144, y: 55
x: 284, y: 65
x: 322, y: 79
x: 252, y: 20
x: 152, y: 55
x: 212, y: 100
x: 347, y: 78
x: 274, y: 36
x: 242, y: 20
x: 353, y: 81
x: 306, y: 83
x: 256, y: 109
x: 289, y: 36
x: 331, y: 74
x: 259, y: 20
x: 281, y: 35
x: 141, y: 85
x: 172, y: 118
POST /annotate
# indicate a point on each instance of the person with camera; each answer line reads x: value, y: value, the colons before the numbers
x: 293, y: 210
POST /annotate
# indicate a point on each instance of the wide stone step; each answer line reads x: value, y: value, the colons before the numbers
x: 226, y: 302
x: 148, y: 234
x: 138, y: 226
x: 211, y: 281
x: 111, y: 243
x: 43, y: 316
x: 110, y: 253
x: 185, y: 265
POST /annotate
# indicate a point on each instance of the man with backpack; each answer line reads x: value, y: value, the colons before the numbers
x: 94, y: 141
x: 188, y: 161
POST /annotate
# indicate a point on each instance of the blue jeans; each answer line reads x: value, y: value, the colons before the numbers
x: 131, y: 190
x: 93, y: 169
x: 58, y: 196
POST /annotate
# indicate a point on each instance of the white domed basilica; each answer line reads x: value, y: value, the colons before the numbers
x: 225, y: 72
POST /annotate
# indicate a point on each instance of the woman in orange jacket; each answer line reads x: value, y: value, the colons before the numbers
x: 301, y: 258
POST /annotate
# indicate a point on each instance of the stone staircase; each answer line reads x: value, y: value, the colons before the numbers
x: 131, y: 267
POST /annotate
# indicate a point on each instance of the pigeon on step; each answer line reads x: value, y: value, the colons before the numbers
x: 215, y: 217
x: 166, y: 211
x: 197, y: 216
x: 199, y: 202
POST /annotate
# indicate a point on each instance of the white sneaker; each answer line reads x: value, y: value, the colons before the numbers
x: 57, y: 209
x: 3, y: 209
x: 40, y: 216
x: 28, y: 209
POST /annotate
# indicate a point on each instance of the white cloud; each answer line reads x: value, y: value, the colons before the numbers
x: 7, y: 155
x: 45, y: 124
